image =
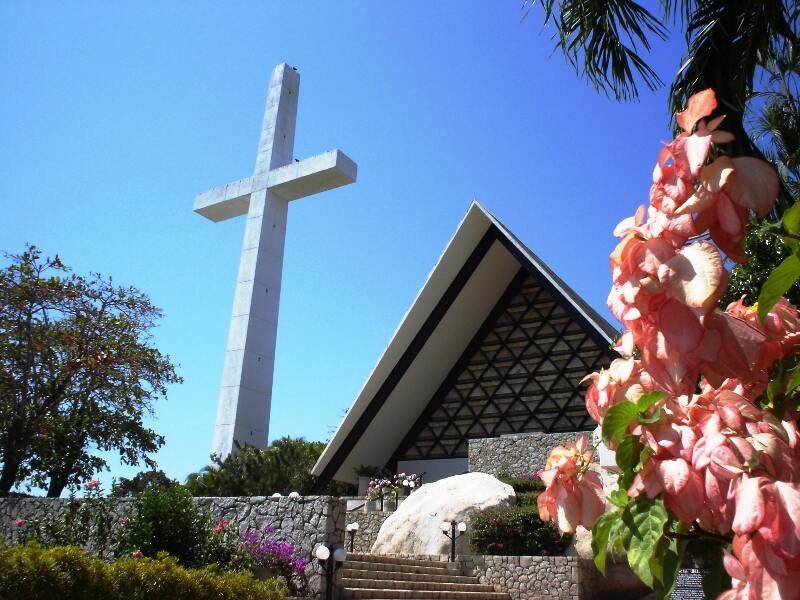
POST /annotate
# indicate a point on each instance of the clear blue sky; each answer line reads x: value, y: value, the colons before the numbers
x: 114, y: 115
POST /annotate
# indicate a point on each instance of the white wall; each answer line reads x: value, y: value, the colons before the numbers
x: 434, y: 469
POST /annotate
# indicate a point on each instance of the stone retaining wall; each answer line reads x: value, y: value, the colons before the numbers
x: 518, y: 454
x: 534, y: 577
x: 305, y: 522
x: 369, y: 523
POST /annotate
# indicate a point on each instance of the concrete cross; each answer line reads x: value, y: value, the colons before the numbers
x: 246, y: 393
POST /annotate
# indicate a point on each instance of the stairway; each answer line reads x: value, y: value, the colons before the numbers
x: 375, y: 577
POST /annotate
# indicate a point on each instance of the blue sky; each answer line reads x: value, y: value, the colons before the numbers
x: 114, y: 115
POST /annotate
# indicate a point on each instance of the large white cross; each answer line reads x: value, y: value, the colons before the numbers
x: 246, y: 394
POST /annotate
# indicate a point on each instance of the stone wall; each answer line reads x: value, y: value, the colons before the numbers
x: 305, y: 522
x: 518, y: 454
x: 369, y: 523
x: 534, y: 577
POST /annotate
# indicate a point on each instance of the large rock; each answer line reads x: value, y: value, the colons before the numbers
x: 414, y: 528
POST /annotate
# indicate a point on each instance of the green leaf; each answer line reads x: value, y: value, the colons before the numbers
x: 794, y: 380
x: 600, y: 533
x: 791, y: 219
x: 644, y: 521
x: 651, y: 419
x: 664, y: 565
x: 647, y: 400
x: 777, y: 284
x: 617, y: 420
x: 628, y: 451
x: 619, y: 498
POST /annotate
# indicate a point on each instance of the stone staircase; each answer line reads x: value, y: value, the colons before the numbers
x: 374, y: 577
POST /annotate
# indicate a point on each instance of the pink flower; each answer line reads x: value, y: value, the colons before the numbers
x: 93, y: 485
x: 574, y: 493
x: 219, y: 527
x: 19, y: 522
x: 137, y: 554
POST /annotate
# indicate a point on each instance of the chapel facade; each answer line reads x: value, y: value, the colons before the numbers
x: 494, y: 345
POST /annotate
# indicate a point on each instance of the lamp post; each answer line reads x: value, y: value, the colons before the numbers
x: 449, y: 529
x: 351, y: 530
x: 331, y: 564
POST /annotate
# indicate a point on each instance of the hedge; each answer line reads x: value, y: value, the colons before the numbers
x: 515, y: 531
x: 68, y: 573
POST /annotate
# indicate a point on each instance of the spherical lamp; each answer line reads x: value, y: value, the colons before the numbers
x: 322, y: 552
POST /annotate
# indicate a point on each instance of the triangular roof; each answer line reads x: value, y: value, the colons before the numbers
x: 477, y: 265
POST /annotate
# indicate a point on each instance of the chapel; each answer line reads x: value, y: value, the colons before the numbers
x: 495, y: 344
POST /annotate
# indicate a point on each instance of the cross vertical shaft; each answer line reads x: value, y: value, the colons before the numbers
x: 246, y: 392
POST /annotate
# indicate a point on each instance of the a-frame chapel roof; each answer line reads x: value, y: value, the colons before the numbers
x: 484, y: 272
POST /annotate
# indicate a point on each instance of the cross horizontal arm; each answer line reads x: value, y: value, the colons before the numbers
x: 312, y: 175
x: 226, y: 201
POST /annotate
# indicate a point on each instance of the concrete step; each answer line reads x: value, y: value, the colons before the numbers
x: 402, y: 575
x: 374, y: 594
x: 394, y: 568
x: 395, y: 584
x: 382, y: 558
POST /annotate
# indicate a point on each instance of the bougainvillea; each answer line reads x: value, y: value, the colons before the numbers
x: 701, y: 409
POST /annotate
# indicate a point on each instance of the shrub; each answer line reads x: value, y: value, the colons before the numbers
x: 68, y: 573
x: 167, y: 520
x: 523, y: 484
x: 515, y: 530
x: 86, y: 522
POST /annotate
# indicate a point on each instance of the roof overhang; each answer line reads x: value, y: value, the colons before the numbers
x: 477, y: 266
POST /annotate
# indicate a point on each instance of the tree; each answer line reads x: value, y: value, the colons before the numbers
x: 146, y: 480
x: 283, y: 467
x: 728, y: 43
x: 78, y: 373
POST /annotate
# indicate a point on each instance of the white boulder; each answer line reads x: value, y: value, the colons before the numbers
x: 415, y: 527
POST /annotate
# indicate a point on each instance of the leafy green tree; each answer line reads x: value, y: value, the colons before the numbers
x: 146, y: 480
x: 283, y: 467
x: 78, y: 373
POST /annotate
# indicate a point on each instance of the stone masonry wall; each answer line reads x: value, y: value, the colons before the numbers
x: 518, y: 454
x: 533, y: 577
x: 304, y: 522
x: 369, y: 523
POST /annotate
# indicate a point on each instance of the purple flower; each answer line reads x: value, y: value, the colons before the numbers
x: 19, y: 522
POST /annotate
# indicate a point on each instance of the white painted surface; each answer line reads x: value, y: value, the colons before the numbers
x: 246, y: 390
x: 434, y: 469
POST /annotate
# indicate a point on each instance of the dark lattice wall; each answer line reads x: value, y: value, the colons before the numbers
x: 521, y: 373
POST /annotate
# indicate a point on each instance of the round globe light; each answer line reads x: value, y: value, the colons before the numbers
x: 339, y: 555
x: 411, y: 484
x: 406, y: 482
x: 355, y: 526
x: 445, y: 526
x: 322, y: 552
x: 294, y: 495
x: 276, y: 495
x: 462, y: 527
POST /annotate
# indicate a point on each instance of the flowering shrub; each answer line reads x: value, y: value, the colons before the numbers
x: 702, y: 407
x: 280, y: 557
x: 380, y: 488
x: 407, y: 481
x: 87, y: 522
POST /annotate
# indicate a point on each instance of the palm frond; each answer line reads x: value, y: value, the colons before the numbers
x: 601, y: 40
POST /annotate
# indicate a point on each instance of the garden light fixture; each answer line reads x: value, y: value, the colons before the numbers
x: 456, y: 530
x: 351, y: 529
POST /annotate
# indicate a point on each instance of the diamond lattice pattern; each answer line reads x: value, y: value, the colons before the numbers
x: 523, y: 376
